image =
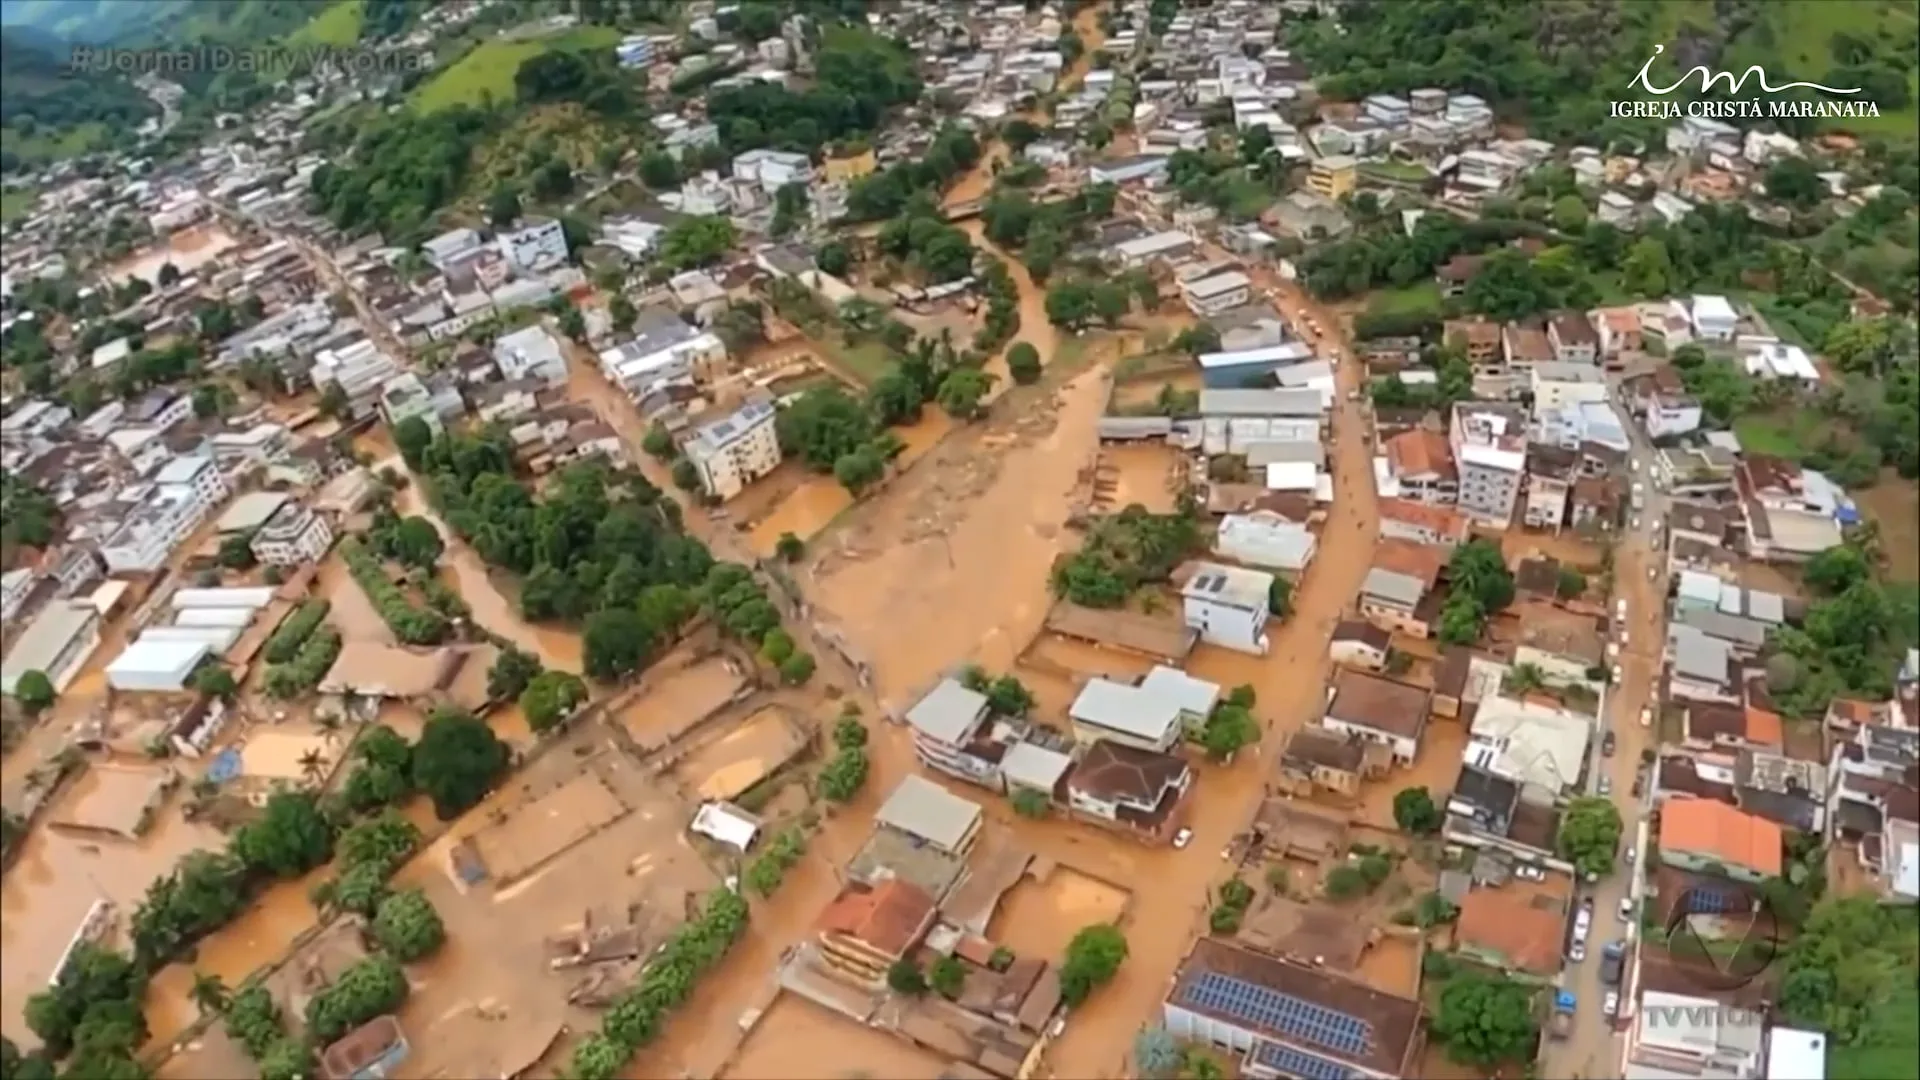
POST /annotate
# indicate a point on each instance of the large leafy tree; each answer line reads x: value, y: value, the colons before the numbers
x: 1589, y: 834
x: 1093, y: 958
x: 457, y: 761
x: 1486, y: 1021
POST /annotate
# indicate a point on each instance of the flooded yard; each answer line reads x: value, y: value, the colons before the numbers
x: 350, y: 611
x: 1038, y: 917
x: 819, y: 499
x: 188, y: 250
x: 674, y: 699
x: 741, y: 758
x: 799, y: 1040
x: 1149, y: 474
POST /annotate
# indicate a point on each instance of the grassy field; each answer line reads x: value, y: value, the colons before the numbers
x: 1398, y: 170
x: 866, y: 361
x: 1793, y: 43
x: 1424, y: 296
x: 47, y: 146
x: 1894, y: 1044
x: 337, y: 26
x: 487, y: 71
x: 1791, y: 436
x: 16, y: 203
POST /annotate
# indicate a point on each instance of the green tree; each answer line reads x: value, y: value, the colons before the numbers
x: 287, y: 1058
x: 1647, y: 270
x: 457, y: 761
x: 290, y: 837
x: 1571, y: 583
x: 1415, y: 811
x: 659, y: 171
x: 1837, y: 569
x: 905, y: 977
x: 216, y: 681
x: 503, y: 206
x: 34, y: 692
x: 789, y: 547
x: 859, y: 469
x: 1228, y: 730
x: 510, y: 674
x: 1093, y: 958
x: 415, y: 542
x: 849, y: 733
x: 236, y: 551
x: 550, y: 698
x: 1589, y: 834
x: 658, y: 442
x: 795, y: 670
x: 948, y: 977
x: 961, y: 392
x: 408, y: 927
x: 1486, y: 1021
x: 1008, y: 696
x: 1344, y: 882
x: 411, y: 437
x: 97, y: 984
x: 372, y: 987
x: 210, y: 994
x: 686, y: 475
x: 598, y: 1057
x: 615, y: 643
x: 776, y: 647
x: 843, y: 777
x: 1569, y: 213
x: 1795, y: 181
x: 1029, y: 803
x: 833, y: 258
x: 1280, y: 597
x: 1023, y: 363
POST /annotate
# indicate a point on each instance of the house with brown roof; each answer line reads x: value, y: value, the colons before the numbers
x: 1572, y: 339
x: 1424, y: 523
x: 1710, y: 837
x: 1130, y: 788
x: 1358, y: 643
x: 1618, y: 330
x: 1594, y: 503
x: 1421, y: 461
x: 1451, y: 677
x: 1380, y: 710
x: 1480, y: 340
x: 1518, y: 931
x: 1398, y: 592
x: 1319, y: 760
x: 1454, y: 274
x: 865, y: 931
x: 1714, y: 725
x: 1328, y: 1025
x: 1524, y: 346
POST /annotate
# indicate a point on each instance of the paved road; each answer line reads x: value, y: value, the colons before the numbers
x: 1594, y: 1048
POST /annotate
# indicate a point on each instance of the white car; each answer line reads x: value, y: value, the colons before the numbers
x: 1626, y: 909
x: 1612, y: 1003
x: 1632, y: 854
x: 1646, y: 716
x: 1606, y: 784
x: 1620, y: 608
x: 1578, y: 952
x: 1616, y: 674
x: 1182, y: 838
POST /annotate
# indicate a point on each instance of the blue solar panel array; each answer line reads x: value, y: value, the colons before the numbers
x: 1295, y: 1018
x: 1298, y: 1064
x: 1710, y: 902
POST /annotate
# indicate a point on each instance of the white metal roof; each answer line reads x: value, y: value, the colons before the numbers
x: 727, y: 824
x: 239, y: 597
x: 1130, y: 710
x: 1292, y: 352
x: 149, y: 656
x: 920, y: 807
x: 1217, y: 285
x: 250, y: 511
x: 1292, y: 476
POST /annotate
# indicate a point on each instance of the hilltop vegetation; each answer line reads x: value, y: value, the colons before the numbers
x: 45, y: 113
x: 488, y: 75
x: 1558, y: 65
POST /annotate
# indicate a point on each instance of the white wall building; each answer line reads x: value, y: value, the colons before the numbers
x: 292, y: 536
x: 1713, y: 318
x: 531, y: 353
x: 734, y: 452
x: 535, y: 245
x: 1217, y: 293
x: 1229, y: 606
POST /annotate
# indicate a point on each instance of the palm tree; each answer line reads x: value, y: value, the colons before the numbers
x: 312, y: 765
x: 210, y: 994
x: 1525, y: 678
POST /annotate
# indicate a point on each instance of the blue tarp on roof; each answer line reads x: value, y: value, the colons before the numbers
x: 226, y: 766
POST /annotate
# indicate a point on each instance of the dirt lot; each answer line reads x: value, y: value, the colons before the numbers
x: 1392, y: 965
x: 1054, y: 668
x: 1038, y: 918
x: 798, y: 1040
x: 814, y: 504
x: 679, y: 693
x: 1150, y: 474
x: 1568, y: 547
x: 1894, y: 504
x: 1137, y: 395
x: 352, y: 613
x: 741, y: 758
x: 492, y: 982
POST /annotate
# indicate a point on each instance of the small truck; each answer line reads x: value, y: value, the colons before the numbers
x: 1560, y: 1025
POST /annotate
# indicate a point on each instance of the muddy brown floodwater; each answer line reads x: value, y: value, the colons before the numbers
x: 812, y: 506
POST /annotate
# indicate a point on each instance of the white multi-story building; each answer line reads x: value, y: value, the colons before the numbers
x: 1216, y: 293
x: 1229, y: 606
x: 14, y: 587
x: 452, y: 248
x: 772, y: 169
x: 292, y: 536
x: 663, y: 350
x: 165, y: 514
x: 536, y: 245
x: 944, y: 723
x: 1489, y: 453
x: 1713, y: 318
x: 531, y: 353
x: 359, y: 370
x: 734, y: 452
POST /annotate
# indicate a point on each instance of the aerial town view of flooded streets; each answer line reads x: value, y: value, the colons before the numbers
x: 1041, y: 540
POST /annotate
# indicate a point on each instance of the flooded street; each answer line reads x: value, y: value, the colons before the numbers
x: 811, y: 507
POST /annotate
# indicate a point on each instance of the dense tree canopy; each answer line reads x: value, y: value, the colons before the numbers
x: 1486, y: 1021
x: 859, y: 76
x: 457, y: 761
x: 401, y: 170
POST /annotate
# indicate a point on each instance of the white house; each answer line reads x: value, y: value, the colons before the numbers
x: 1229, y: 606
x: 535, y: 245
x: 1713, y: 318
x: 292, y: 536
x: 1216, y: 293
x: 452, y: 248
x: 165, y: 513
x: 735, y: 451
x: 531, y: 353
x: 772, y: 169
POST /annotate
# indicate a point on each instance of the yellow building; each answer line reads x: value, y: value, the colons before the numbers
x: 1332, y: 176
x: 850, y: 168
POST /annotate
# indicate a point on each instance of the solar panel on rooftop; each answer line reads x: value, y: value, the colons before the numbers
x: 1298, y: 1064
x: 1296, y: 1018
